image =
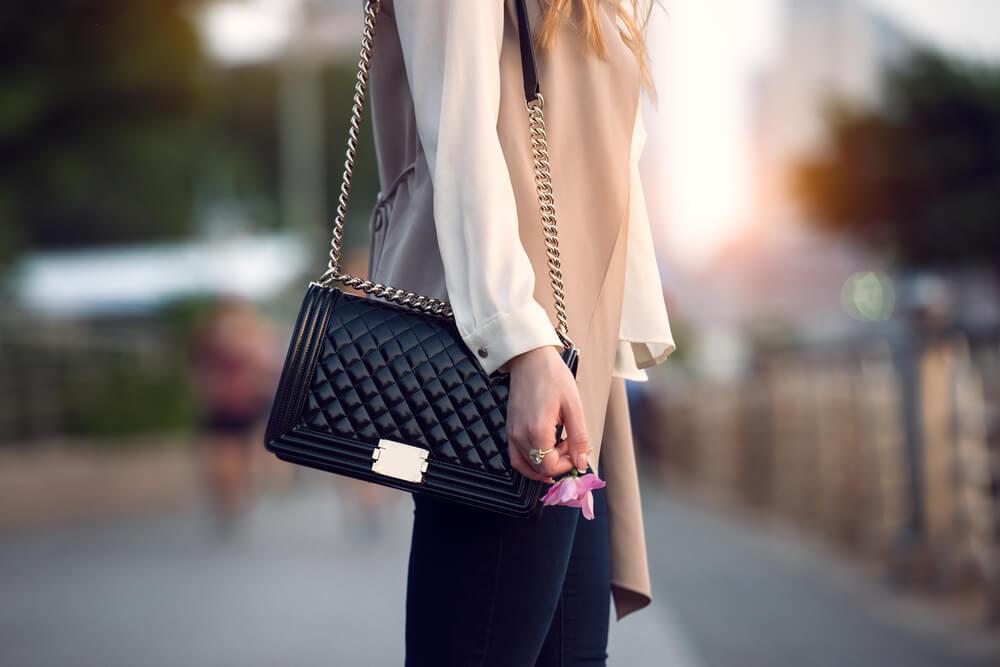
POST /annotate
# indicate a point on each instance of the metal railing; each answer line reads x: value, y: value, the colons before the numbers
x: 890, y: 447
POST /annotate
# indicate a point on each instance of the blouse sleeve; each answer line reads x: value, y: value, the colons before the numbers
x: 451, y: 53
x: 645, y: 338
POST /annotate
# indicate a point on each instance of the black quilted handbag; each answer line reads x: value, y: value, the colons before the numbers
x: 384, y: 389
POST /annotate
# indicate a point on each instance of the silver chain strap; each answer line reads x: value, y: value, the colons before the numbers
x: 426, y: 304
x: 547, y: 207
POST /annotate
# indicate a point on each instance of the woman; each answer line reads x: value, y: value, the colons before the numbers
x: 458, y: 219
x: 233, y: 369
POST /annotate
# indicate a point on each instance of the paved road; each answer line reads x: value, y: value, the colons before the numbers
x: 751, y: 596
x: 298, y: 584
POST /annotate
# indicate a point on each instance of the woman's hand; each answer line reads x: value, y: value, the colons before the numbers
x: 543, y: 394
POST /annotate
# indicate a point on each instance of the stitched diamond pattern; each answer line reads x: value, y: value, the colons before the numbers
x: 390, y: 373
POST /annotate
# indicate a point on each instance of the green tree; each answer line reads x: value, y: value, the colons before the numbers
x: 102, y: 106
x: 115, y: 127
x: 919, y: 174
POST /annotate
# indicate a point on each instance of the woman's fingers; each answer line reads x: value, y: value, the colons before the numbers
x: 577, y: 441
x: 553, y: 463
x: 521, y: 464
x: 543, y: 437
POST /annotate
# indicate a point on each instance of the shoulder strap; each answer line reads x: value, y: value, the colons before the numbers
x: 540, y: 162
x: 529, y: 69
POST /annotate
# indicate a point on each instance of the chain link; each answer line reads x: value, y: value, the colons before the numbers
x: 426, y: 304
x: 547, y: 207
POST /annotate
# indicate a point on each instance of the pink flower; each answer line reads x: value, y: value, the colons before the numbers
x: 575, y: 491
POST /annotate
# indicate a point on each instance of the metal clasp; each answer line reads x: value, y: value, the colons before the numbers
x: 399, y: 460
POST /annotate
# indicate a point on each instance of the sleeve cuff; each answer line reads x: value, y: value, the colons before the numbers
x: 503, y: 337
x: 634, y: 357
x: 625, y: 366
x: 649, y: 353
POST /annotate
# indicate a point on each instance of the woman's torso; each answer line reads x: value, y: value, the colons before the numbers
x: 590, y: 110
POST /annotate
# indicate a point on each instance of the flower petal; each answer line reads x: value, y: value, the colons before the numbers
x: 551, y: 496
x: 591, y: 481
x: 588, y: 505
x: 570, y: 490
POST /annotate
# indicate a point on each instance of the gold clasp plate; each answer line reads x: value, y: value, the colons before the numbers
x: 399, y: 460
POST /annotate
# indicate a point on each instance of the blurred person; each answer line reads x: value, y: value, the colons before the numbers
x: 458, y: 219
x: 234, y: 366
x: 367, y: 505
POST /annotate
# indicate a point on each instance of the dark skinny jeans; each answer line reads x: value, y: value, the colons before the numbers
x: 485, y: 590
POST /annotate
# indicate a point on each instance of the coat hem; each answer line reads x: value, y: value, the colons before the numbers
x: 628, y: 599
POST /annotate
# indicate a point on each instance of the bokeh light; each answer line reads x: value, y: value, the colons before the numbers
x: 869, y: 296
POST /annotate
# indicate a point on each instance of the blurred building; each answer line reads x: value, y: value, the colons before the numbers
x: 780, y: 279
x: 136, y: 280
x: 299, y: 38
x: 828, y: 50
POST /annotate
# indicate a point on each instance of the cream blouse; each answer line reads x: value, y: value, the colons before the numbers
x: 451, y: 49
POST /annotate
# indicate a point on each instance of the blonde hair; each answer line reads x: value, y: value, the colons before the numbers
x: 631, y: 17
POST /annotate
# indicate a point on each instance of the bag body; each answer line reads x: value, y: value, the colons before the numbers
x: 361, y: 374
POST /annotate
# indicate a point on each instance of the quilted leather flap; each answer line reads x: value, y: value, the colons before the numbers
x: 386, y: 372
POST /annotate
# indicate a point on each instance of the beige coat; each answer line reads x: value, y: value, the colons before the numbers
x: 590, y: 112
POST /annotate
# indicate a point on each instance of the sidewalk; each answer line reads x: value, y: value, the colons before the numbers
x: 59, y: 482
x: 307, y: 579
x: 56, y: 482
x: 304, y: 581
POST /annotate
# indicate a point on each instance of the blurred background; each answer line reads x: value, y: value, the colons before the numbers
x: 820, y: 457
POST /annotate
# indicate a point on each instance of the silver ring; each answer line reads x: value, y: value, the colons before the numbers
x: 536, y: 455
